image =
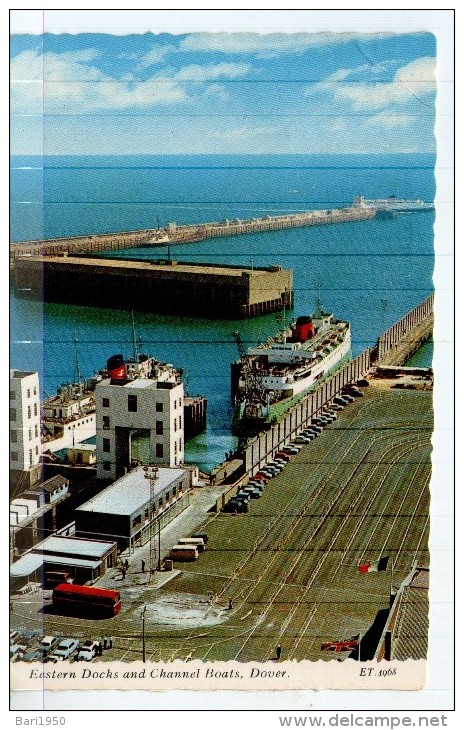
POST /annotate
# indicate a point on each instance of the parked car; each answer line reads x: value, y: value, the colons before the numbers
x: 292, y: 450
x: 256, y: 483
x: 348, y: 397
x: 17, y: 652
x: 32, y: 656
x: 273, y: 471
x: 28, y: 636
x: 355, y: 392
x: 330, y: 416
x: 276, y: 464
x: 88, y: 651
x: 302, y: 439
x: 262, y: 477
x: 336, y: 407
x: 309, y: 433
x: 341, y: 400
x: 282, y: 455
x: 363, y: 383
x: 65, y: 648
x: 48, y: 643
x: 293, y: 445
x: 314, y: 429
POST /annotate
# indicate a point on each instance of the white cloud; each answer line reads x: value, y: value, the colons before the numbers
x: 416, y: 80
x: 155, y: 55
x: 272, y: 43
x: 217, y: 90
x: 390, y: 121
x: 72, y: 85
x: 196, y: 72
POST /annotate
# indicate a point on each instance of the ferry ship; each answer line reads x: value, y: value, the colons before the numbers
x: 274, y: 376
x: 393, y: 204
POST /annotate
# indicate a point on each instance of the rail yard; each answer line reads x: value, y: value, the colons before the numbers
x: 287, y: 572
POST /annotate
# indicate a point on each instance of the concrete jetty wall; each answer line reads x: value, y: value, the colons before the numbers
x: 92, y: 244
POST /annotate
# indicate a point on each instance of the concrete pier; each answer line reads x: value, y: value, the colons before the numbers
x: 212, y: 291
x: 177, y: 234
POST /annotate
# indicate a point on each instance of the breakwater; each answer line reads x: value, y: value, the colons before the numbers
x: 177, y: 234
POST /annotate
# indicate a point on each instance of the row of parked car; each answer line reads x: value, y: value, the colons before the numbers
x: 254, y: 489
x: 25, y: 646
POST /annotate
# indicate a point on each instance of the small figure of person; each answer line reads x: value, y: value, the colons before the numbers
x: 143, y: 566
x: 278, y: 651
x: 110, y: 645
x: 99, y: 649
x: 105, y: 642
x: 123, y: 571
x: 126, y: 565
x: 230, y: 604
x: 11, y: 606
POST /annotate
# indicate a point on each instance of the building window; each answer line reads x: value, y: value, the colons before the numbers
x: 180, y: 402
x: 175, y: 424
x: 175, y: 404
x: 180, y: 421
x: 36, y: 450
x: 28, y: 392
x: 159, y: 407
x: 105, y: 402
x: 30, y: 434
x: 12, y: 414
x: 13, y: 437
x: 159, y: 451
x: 160, y: 503
x: 159, y: 428
x: 30, y: 457
x: 146, y: 514
x: 175, y: 447
x: 106, y: 421
x: 174, y: 491
x: 35, y: 409
x: 35, y: 390
x: 14, y: 456
x: 29, y: 412
x: 12, y: 395
x: 106, y: 445
x: 132, y: 403
x: 107, y: 465
x: 180, y: 444
x: 167, y: 496
x: 36, y: 431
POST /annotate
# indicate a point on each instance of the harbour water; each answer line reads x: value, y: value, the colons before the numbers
x: 370, y: 272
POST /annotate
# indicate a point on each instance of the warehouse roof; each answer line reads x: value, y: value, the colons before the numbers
x: 131, y: 492
x: 63, y: 546
x: 26, y: 565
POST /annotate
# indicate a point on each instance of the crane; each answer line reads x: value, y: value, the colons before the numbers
x: 256, y: 401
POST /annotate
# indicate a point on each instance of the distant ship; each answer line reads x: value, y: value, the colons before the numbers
x: 393, y: 204
x: 271, y: 378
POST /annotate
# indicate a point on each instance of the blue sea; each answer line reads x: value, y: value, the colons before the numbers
x: 370, y: 272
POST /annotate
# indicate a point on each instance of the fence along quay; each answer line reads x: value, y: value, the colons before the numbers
x: 177, y: 234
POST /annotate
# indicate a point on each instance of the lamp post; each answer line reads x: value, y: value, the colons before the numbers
x: 143, y: 634
x: 151, y: 473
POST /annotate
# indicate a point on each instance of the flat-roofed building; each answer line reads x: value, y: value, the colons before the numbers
x: 125, y: 510
x: 146, y: 399
x: 82, y: 559
x: 25, y: 446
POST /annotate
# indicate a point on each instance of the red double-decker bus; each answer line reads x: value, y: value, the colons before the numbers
x: 70, y: 598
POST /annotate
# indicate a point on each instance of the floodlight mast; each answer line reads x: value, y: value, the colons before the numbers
x: 151, y: 473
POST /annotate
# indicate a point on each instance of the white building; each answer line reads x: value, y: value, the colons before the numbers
x: 24, y: 421
x: 147, y: 401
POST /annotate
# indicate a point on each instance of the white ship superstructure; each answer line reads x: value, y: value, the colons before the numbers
x: 290, y: 364
x: 392, y: 204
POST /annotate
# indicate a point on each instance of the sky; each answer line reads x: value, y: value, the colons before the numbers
x: 222, y: 93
